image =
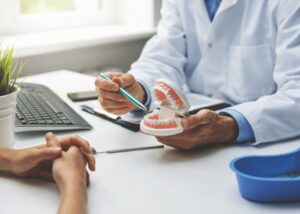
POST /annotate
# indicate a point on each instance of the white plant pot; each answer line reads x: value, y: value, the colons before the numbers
x: 7, y: 118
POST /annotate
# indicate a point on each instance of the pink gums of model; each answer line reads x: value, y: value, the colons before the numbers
x: 165, y: 121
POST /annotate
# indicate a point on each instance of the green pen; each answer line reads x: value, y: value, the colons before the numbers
x: 127, y: 95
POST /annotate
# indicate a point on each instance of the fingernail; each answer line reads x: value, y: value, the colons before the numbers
x: 49, y: 135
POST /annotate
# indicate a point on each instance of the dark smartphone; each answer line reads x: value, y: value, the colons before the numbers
x: 83, y: 96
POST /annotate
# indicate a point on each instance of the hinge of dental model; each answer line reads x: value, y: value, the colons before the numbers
x: 173, y: 105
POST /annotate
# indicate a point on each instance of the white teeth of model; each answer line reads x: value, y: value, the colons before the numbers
x: 162, y: 89
x: 172, y: 101
x: 155, y: 112
x: 163, y: 122
x: 147, y: 120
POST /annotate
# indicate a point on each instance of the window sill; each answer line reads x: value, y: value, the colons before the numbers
x: 50, y: 42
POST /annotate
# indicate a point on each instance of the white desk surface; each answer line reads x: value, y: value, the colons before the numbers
x: 148, y: 182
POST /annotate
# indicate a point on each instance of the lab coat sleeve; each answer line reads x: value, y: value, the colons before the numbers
x: 164, y: 56
x: 277, y: 117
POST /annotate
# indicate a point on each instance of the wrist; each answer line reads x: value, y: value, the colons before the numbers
x: 6, y: 161
x: 73, y: 198
x: 73, y: 188
x: 69, y: 184
x: 230, y: 129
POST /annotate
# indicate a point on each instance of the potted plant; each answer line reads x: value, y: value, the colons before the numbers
x: 10, y: 69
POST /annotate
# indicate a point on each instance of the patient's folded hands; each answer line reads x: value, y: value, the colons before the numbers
x: 69, y: 170
x: 72, y: 179
x: 37, y: 161
x: 71, y: 165
x: 74, y: 140
x: 32, y: 162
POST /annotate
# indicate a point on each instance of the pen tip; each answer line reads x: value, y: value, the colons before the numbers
x: 144, y: 108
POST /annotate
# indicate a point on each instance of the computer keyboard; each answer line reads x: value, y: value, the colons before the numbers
x: 40, y: 109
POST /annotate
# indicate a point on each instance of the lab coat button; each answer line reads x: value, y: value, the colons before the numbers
x: 210, y: 45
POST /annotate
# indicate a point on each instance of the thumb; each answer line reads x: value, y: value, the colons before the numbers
x: 51, y: 140
x: 203, y: 117
x: 126, y: 80
x: 46, y: 154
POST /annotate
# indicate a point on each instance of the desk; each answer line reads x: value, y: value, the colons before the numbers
x: 145, y: 182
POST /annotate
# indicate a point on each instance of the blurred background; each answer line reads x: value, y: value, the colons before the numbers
x: 79, y: 35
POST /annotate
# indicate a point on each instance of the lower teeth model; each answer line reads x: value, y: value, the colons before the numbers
x: 165, y: 121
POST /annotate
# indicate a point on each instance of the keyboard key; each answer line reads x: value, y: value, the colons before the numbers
x: 49, y: 121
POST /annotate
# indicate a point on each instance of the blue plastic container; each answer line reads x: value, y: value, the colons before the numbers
x: 274, y: 178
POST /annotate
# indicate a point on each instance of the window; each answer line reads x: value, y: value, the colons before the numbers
x: 41, y: 15
x: 50, y: 6
x: 44, y: 6
x: 29, y: 16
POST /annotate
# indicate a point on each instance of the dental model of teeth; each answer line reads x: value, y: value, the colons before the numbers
x: 165, y: 121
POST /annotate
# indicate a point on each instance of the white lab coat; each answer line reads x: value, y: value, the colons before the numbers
x: 249, y: 56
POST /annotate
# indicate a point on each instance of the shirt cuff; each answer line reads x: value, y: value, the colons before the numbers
x: 246, y: 133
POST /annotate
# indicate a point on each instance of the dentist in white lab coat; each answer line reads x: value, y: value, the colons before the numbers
x: 245, y: 52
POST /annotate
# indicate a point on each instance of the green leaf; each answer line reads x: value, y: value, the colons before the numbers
x: 10, y: 70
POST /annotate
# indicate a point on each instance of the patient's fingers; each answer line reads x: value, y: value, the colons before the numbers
x: 84, y: 146
x: 75, y: 140
x: 51, y: 140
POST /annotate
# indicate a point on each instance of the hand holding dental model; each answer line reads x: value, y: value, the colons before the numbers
x: 170, y: 124
x: 204, y: 128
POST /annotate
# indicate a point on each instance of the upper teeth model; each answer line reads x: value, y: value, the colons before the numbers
x: 165, y: 121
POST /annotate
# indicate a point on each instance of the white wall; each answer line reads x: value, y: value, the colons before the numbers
x: 138, y: 12
x: 113, y: 55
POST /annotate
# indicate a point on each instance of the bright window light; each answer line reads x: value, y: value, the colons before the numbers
x: 54, y: 6
x: 45, y: 6
x: 44, y: 15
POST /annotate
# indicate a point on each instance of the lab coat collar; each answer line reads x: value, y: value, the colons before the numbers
x: 200, y: 9
x: 226, y: 4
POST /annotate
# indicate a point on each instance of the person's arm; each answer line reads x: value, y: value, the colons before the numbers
x: 272, y: 118
x: 69, y: 172
x: 276, y: 117
x: 73, y: 198
x: 30, y: 162
x: 37, y: 161
x: 63, y: 160
x: 6, y: 165
x: 164, y: 55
